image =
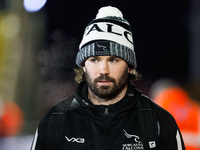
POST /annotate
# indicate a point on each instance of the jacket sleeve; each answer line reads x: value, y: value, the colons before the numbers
x: 170, y: 137
x: 40, y: 141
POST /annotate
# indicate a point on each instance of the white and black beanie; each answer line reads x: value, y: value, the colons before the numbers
x: 109, y: 34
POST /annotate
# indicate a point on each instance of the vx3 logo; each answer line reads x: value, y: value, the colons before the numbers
x: 77, y: 140
x: 136, y: 138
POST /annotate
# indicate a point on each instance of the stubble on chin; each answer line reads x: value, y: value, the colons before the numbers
x: 104, y: 91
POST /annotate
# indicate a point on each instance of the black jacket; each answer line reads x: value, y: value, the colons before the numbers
x: 113, y: 127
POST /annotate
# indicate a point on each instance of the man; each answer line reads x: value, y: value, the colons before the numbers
x: 107, y: 112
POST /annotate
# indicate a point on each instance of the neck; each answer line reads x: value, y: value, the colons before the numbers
x: 106, y: 101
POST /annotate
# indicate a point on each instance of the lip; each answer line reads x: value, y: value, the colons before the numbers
x: 104, y: 82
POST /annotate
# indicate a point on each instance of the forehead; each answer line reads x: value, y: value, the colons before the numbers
x: 105, y: 57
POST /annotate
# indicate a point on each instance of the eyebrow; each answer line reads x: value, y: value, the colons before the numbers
x: 110, y: 56
x: 114, y: 57
x: 95, y: 56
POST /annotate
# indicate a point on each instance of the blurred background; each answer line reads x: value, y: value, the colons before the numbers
x: 39, y: 40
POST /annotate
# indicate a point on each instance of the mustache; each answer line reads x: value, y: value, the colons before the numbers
x: 104, y: 77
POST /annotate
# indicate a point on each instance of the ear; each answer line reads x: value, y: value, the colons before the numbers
x: 84, y: 68
x: 130, y: 69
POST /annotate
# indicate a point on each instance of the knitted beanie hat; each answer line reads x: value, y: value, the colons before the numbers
x: 109, y: 34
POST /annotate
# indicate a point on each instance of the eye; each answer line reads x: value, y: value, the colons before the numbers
x: 94, y: 60
x: 113, y: 60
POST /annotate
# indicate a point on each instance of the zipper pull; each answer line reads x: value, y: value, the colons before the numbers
x: 106, y: 111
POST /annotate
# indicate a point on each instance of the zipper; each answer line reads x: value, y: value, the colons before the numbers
x: 105, y: 127
x: 106, y: 112
x: 106, y: 118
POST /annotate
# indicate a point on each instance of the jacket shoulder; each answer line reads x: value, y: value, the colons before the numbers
x: 158, y: 109
x: 165, y: 119
x: 57, y: 110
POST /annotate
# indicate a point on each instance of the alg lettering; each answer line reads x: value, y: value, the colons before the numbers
x: 108, y: 28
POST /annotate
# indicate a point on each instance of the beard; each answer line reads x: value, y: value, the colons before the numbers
x: 105, y: 91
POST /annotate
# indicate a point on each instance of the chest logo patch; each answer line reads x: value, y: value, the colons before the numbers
x: 136, y: 145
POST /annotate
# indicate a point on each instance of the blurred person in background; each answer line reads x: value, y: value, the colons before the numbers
x: 171, y: 96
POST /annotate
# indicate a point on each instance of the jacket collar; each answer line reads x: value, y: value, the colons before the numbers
x: 131, y: 97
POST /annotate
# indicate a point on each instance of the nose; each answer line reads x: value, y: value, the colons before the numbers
x: 104, y: 69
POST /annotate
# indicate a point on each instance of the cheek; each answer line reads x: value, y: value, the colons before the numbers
x: 120, y: 70
x: 91, y: 72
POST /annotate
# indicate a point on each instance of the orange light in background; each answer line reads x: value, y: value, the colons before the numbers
x: 11, y: 120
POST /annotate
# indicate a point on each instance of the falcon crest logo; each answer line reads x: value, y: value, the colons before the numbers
x: 136, y: 138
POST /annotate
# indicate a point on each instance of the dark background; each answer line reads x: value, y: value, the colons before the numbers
x: 160, y: 31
